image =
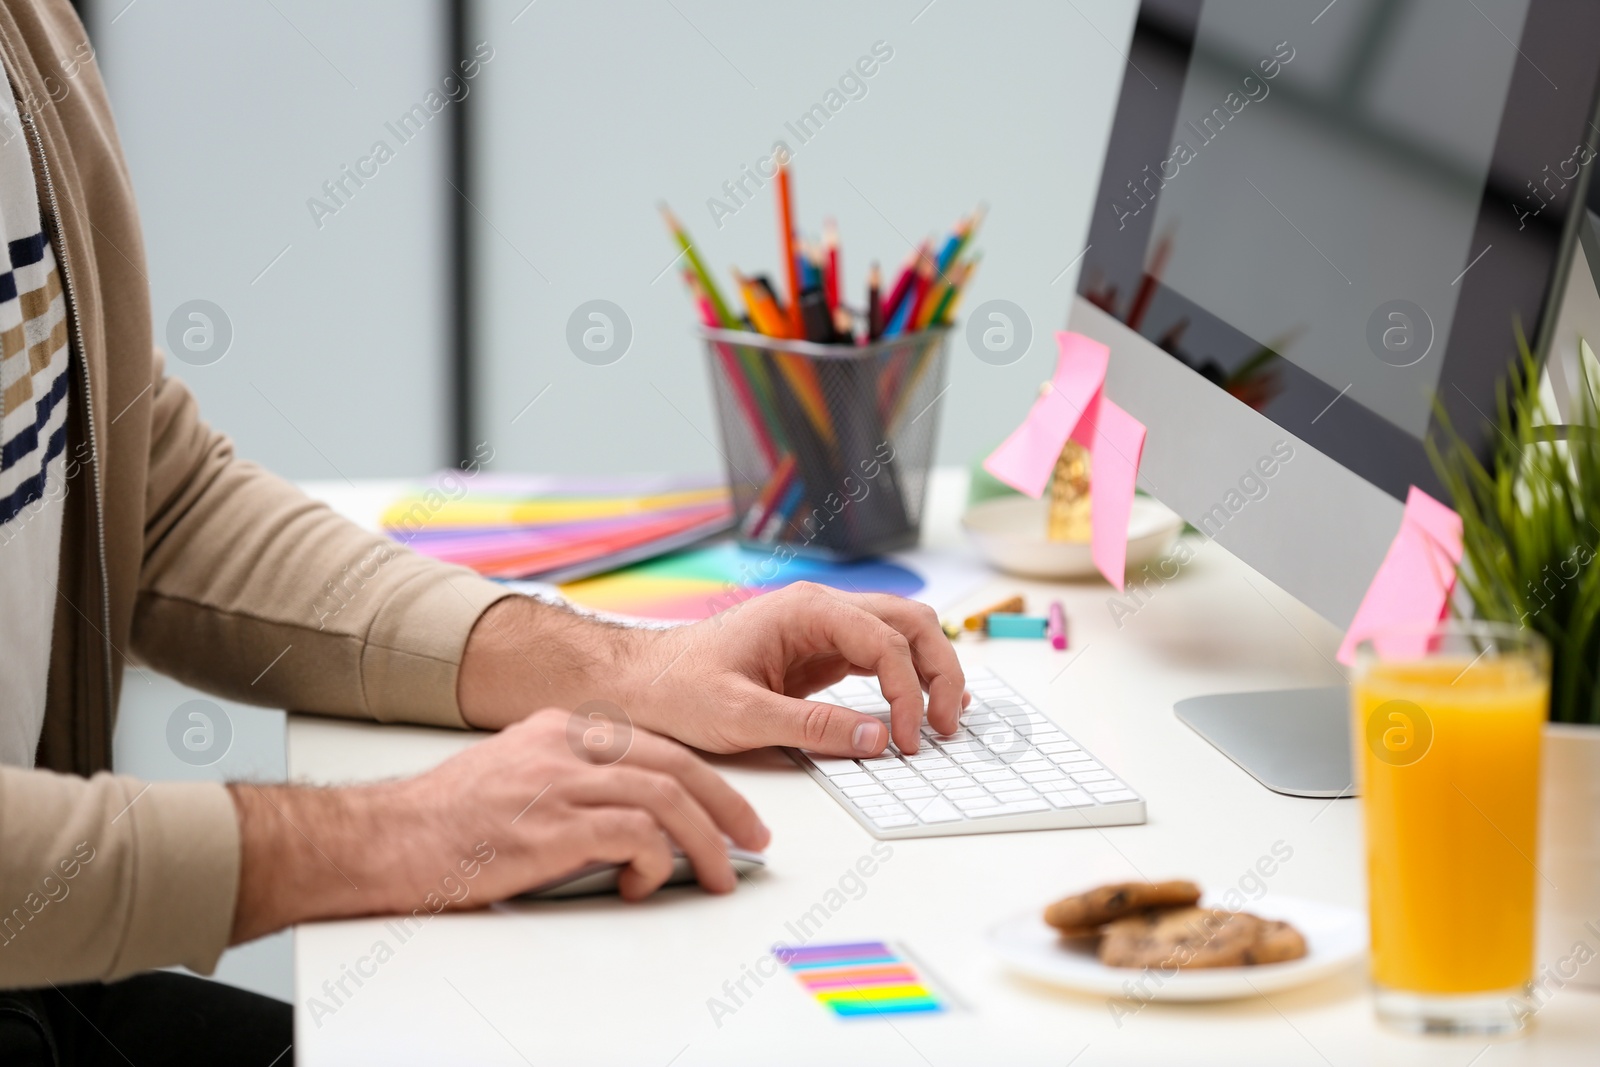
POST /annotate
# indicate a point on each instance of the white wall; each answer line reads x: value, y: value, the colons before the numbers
x: 593, y: 112
x: 233, y: 116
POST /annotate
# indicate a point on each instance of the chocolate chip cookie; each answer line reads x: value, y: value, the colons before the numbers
x: 1081, y: 915
x: 1191, y: 937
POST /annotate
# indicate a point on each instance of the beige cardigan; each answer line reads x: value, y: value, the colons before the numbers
x: 181, y: 556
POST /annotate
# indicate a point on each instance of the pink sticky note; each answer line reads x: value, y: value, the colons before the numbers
x: 1413, y: 584
x: 1075, y: 408
x: 1026, y: 458
x: 1118, y: 441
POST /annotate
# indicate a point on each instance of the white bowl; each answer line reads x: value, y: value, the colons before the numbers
x: 1336, y: 938
x: 1009, y: 531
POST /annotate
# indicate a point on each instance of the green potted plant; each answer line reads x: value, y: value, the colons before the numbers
x: 1531, y: 557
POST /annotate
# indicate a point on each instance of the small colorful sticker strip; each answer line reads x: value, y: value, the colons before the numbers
x: 860, y: 979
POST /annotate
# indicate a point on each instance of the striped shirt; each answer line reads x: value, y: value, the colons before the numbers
x: 34, y: 382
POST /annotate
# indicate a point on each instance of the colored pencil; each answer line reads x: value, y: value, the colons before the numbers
x: 957, y: 279
x: 830, y: 262
x: 904, y: 318
x: 874, y: 304
x: 843, y: 326
x: 764, y: 314
x: 968, y: 232
x: 960, y: 289
x: 724, y: 315
x: 902, y: 285
x: 737, y: 377
x: 791, y: 265
x: 952, y: 245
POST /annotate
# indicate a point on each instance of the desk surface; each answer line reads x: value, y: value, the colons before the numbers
x: 599, y: 981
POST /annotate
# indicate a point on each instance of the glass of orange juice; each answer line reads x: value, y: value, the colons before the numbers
x: 1447, y: 725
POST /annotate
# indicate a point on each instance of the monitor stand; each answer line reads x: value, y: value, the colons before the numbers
x: 1293, y: 741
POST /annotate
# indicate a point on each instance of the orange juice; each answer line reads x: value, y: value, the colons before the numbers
x: 1447, y: 762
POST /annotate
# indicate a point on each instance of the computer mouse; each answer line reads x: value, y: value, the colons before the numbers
x: 598, y: 878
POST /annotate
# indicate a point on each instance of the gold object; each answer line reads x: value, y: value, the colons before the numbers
x: 951, y: 629
x: 1069, y: 495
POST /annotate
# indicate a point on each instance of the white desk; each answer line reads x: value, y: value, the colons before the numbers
x: 602, y: 982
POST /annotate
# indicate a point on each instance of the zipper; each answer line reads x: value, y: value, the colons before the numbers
x: 76, y: 338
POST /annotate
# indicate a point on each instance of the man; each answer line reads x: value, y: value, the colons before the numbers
x: 129, y: 531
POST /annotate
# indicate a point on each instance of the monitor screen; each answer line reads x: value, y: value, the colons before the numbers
x: 1343, y: 216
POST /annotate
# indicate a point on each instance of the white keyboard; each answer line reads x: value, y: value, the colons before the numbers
x: 1008, y: 767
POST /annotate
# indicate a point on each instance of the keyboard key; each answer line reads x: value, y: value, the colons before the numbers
x: 1070, y: 798
x: 1026, y: 766
x: 1019, y: 807
x: 912, y: 789
x: 1049, y: 736
x: 977, y: 803
x: 1074, y: 766
x: 886, y: 809
x: 926, y: 760
x: 881, y: 762
x: 966, y: 792
x: 948, y: 784
x: 935, y: 810
x: 844, y: 781
x: 1052, y: 747
x: 1038, y: 778
x: 995, y: 776
x: 1103, y: 787
x: 1093, y: 776
x: 890, y: 774
x: 1116, y: 796
x: 1011, y: 796
x: 859, y: 793
x: 949, y: 770
x: 894, y: 822
x: 968, y: 744
x: 833, y: 767
x: 966, y: 758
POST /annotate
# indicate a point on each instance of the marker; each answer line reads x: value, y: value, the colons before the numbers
x: 1010, y: 624
x: 1057, y: 630
x: 1012, y: 605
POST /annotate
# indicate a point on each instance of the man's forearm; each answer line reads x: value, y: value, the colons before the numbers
x: 524, y: 655
x: 320, y: 854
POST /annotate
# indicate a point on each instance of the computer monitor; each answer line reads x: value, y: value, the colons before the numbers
x: 1316, y: 227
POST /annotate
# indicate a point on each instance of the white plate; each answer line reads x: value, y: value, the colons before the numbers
x: 1336, y: 938
x: 1010, y: 533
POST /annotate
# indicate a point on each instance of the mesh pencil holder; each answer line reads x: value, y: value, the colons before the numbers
x: 828, y: 446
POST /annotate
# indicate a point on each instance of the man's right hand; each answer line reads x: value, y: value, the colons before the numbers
x: 544, y: 805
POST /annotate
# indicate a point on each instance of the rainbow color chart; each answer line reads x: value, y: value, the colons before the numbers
x: 698, y: 583
x: 866, y: 978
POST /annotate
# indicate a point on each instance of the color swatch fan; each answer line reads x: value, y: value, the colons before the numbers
x: 698, y: 583
x: 556, y: 528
